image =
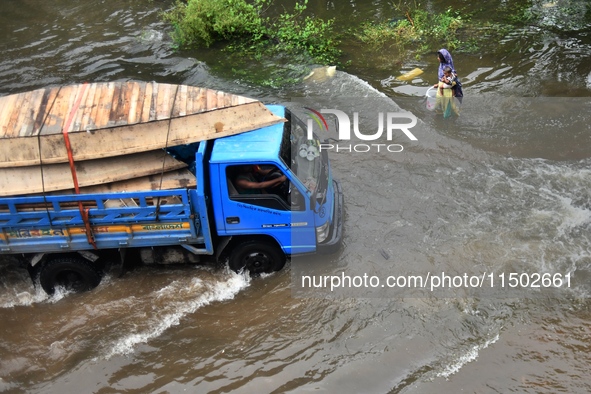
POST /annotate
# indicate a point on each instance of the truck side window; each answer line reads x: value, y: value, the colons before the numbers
x: 263, y: 186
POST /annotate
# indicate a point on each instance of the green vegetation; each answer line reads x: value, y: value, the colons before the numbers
x: 296, y: 33
x: 245, y: 28
x: 519, y: 13
x: 418, y: 27
x: 268, y: 45
x: 199, y: 22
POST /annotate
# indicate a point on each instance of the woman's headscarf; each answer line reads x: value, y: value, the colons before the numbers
x: 448, y: 62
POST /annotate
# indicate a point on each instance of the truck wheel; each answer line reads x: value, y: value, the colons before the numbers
x: 256, y: 257
x: 73, y: 273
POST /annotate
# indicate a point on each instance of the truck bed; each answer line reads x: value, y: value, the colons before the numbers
x: 131, y: 219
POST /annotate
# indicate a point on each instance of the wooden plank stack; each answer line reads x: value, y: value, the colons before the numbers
x: 116, y: 133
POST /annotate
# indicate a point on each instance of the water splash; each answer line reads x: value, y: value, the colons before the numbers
x: 206, y: 293
x: 469, y: 356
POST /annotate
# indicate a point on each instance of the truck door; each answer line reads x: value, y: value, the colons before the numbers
x: 278, y: 210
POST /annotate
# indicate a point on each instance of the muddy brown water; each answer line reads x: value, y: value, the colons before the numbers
x: 502, y: 189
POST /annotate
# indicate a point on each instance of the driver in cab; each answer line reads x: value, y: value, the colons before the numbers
x: 251, y: 179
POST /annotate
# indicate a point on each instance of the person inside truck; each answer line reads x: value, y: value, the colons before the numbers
x: 251, y: 179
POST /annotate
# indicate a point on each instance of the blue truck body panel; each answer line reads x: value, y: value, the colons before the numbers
x: 255, y: 146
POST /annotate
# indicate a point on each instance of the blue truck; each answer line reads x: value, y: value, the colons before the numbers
x: 69, y: 239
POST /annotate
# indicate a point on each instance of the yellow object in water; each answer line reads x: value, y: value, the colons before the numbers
x: 410, y: 75
x: 321, y: 74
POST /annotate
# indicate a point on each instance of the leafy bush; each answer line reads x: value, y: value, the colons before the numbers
x: 245, y: 29
x: 202, y: 22
x: 314, y: 36
x: 418, y: 25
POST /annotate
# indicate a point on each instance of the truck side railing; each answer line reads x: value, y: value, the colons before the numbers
x: 49, y: 223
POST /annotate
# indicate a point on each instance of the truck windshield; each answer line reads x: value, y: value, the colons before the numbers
x: 303, y: 155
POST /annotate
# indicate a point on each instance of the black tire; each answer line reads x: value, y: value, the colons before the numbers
x: 256, y: 257
x: 74, y: 273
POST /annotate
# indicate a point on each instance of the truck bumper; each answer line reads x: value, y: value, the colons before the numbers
x: 333, y: 244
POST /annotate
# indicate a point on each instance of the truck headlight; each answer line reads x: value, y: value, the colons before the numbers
x: 322, y: 232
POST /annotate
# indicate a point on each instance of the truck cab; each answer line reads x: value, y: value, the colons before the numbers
x: 302, y: 215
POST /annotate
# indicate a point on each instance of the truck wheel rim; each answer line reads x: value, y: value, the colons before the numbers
x: 256, y: 261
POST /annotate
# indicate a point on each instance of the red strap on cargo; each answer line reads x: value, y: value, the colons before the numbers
x: 83, y: 212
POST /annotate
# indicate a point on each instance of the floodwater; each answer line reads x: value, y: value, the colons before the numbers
x: 502, y: 189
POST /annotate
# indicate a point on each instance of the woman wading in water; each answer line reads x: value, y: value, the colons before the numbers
x: 448, y: 85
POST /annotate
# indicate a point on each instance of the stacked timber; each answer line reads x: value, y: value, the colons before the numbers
x: 112, y: 136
